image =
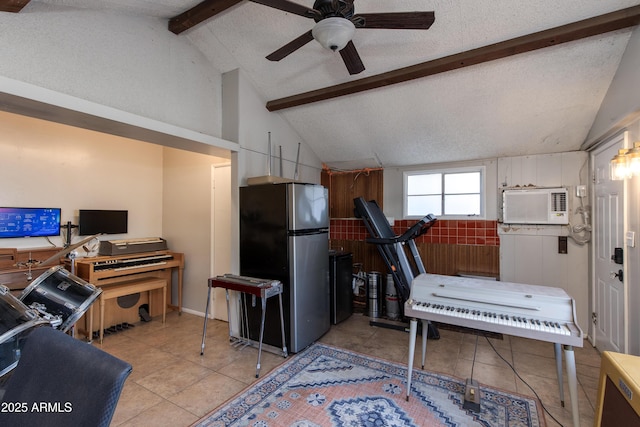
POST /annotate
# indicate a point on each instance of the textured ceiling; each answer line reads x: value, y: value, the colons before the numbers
x: 543, y: 101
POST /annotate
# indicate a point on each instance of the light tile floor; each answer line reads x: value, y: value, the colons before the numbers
x: 173, y: 385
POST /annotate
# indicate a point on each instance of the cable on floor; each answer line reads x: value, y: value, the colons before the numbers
x: 521, y: 379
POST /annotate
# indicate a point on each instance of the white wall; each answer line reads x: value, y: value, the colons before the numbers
x: 166, y: 191
x: 529, y: 254
x: 621, y: 104
x: 128, y: 62
x: 632, y: 267
x: 247, y: 121
x: 221, y: 247
x: 43, y: 164
x: 186, y: 211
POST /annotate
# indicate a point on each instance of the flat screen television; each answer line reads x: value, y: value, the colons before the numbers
x: 29, y: 222
x: 93, y: 221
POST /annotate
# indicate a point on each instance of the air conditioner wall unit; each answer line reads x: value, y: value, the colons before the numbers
x: 535, y: 206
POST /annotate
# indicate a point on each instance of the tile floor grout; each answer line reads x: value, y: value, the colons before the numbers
x: 173, y: 385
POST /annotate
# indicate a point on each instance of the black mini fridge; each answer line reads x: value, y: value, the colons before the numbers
x: 340, y: 283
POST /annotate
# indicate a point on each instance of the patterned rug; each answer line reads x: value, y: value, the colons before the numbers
x: 325, y: 386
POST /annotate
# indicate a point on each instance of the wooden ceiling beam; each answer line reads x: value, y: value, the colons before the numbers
x: 14, y: 6
x: 566, y: 33
x: 197, y: 14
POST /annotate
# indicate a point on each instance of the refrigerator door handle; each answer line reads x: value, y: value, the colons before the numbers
x: 308, y: 232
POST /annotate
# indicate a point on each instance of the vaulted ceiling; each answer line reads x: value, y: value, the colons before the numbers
x: 489, y: 78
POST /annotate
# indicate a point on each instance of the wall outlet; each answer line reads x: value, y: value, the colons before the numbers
x: 562, y: 245
x: 581, y: 190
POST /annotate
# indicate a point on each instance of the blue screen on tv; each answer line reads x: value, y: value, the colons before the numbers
x: 29, y: 222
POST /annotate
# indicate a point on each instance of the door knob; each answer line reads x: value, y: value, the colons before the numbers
x: 619, y: 275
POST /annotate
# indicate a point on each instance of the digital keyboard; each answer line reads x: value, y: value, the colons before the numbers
x: 530, y: 311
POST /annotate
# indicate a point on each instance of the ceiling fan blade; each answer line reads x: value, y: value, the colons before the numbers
x: 199, y: 13
x: 352, y: 59
x: 290, y: 47
x: 396, y: 20
x: 291, y: 7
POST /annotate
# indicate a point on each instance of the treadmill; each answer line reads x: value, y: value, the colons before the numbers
x: 400, y: 253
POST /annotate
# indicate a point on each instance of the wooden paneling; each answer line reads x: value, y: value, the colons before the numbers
x: 8, y: 257
x: 437, y: 258
x: 346, y: 186
x: 363, y: 253
x: 453, y: 259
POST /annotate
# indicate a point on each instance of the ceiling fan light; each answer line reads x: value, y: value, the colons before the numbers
x: 333, y: 33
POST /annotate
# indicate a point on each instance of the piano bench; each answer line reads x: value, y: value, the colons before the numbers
x: 146, y: 284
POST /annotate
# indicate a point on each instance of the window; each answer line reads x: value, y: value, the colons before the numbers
x: 451, y: 192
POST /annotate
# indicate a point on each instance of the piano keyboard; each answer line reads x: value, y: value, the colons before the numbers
x: 530, y: 311
x: 133, y: 262
x: 147, y: 264
x: 541, y: 325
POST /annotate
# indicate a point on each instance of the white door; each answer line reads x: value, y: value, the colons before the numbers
x: 608, y: 285
x: 221, y: 234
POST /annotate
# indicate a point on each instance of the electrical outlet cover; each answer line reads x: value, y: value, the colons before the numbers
x: 630, y: 239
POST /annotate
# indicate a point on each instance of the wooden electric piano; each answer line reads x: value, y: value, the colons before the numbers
x: 103, y: 271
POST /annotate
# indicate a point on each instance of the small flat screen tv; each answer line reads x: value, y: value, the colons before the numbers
x: 93, y: 221
x: 29, y: 222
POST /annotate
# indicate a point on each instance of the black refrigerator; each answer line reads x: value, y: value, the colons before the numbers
x: 284, y: 235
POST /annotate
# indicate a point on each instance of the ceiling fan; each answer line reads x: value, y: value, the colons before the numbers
x: 336, y: 23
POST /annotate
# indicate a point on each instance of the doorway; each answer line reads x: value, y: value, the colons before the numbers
x: 221, y: 233
x: 609, y: 278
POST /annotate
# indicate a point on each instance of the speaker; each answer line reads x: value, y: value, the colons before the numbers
x: 618, y: 391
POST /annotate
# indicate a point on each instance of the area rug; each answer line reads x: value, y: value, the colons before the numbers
x: 324, y: 386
